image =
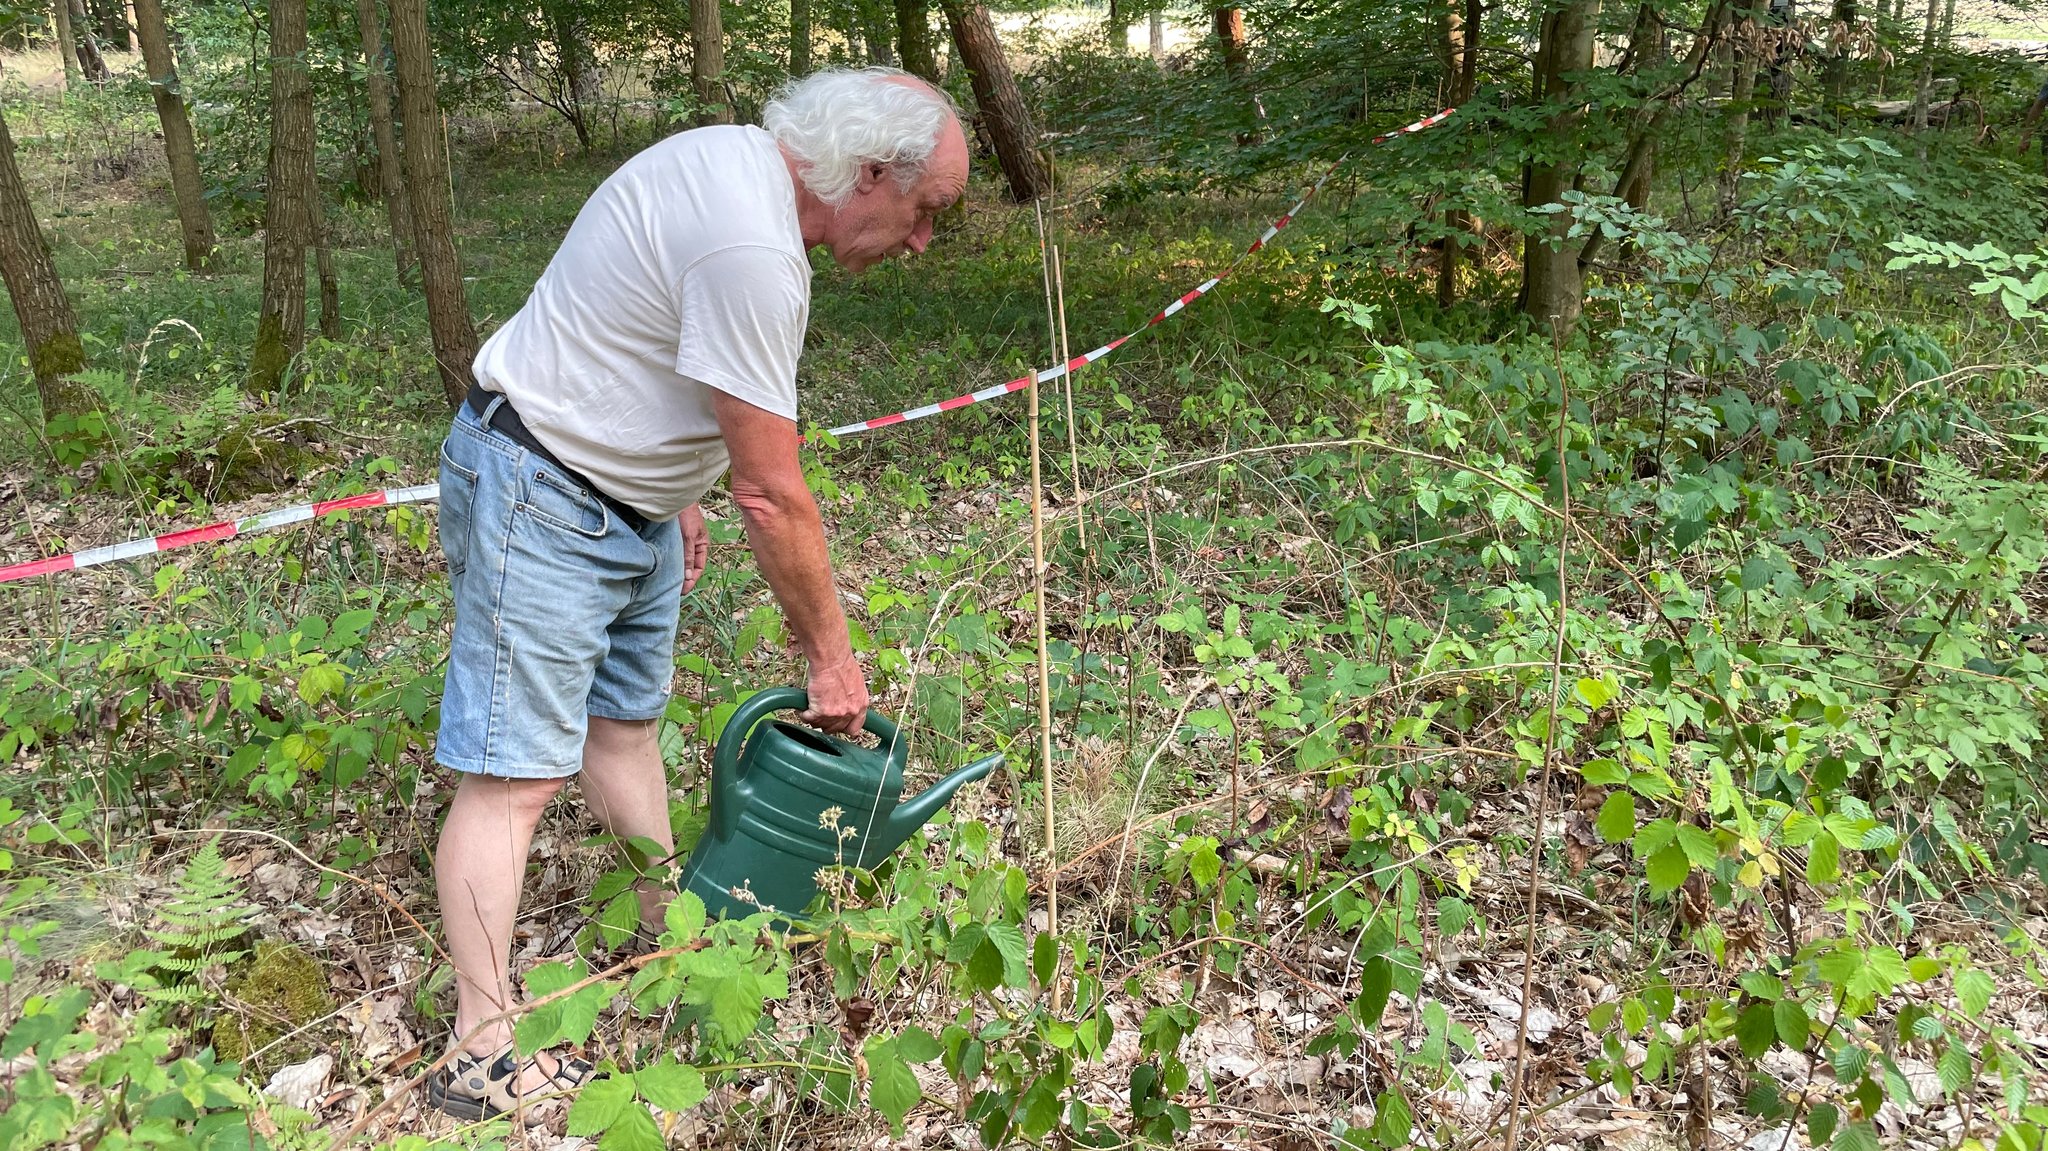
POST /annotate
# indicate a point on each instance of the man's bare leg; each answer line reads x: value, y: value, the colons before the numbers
x: 479, y: 870
x: 627, y: 789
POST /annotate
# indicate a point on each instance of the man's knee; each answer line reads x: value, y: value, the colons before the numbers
x: 613, y: 736
x: 523, y: 798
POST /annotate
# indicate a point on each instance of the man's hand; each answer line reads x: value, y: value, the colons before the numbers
x: 839, y: 697
x: 696, y: 545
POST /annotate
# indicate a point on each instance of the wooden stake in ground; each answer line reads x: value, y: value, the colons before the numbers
x: 1052, y: 884
x: 1059, y: 295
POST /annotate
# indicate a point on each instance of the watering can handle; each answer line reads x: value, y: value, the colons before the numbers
x: 728, y: 783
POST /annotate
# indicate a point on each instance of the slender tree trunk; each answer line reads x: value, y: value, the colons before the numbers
x: 1116, y: 33
x: 188, y: 188
x: 1230, y: 40
x: 323, y: 259
x: 1836, y: 75
x: 67, y: 46
x: 1155, y: 23
x: 433, y: 210
x: 875, y: 18
x: 799, y: 37
x: 397, y: 205
x: 707, y: 62
x: 87, y: 45
x: 914, y: 39
x: 288, y: 208
x: 49, y: 329
x: 1948, y: 25
x: 579, y: 71
x: 1461, y: 60
x: 1923, y: 90
x: 1003, y: 114
x: 1553, y: 290
x: 1741, y: 95
x: 112, y: 16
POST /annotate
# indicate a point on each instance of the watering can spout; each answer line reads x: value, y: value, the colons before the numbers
x: 914, y: 813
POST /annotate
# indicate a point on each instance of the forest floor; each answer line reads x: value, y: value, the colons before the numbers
x: 346, y: 876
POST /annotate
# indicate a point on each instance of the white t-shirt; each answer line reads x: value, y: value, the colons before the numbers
x: 685, y: 271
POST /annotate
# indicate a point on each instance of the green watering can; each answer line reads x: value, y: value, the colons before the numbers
x: 767, y: 832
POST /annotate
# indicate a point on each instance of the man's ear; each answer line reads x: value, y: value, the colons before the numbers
x: 871, y: 173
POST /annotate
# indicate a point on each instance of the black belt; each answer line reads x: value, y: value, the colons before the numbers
x: 506, y: 421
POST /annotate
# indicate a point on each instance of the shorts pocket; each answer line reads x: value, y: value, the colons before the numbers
x: 458, y: 501
x: 563, y: 503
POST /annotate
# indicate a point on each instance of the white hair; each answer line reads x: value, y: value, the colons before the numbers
x: 838, y: 121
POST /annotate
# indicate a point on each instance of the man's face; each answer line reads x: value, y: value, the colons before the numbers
x: 884, y: 220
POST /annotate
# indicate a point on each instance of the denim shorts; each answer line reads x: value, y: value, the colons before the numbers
x: 561, y: 611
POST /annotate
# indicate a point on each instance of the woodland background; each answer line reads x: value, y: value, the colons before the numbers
x: 1543, y: 654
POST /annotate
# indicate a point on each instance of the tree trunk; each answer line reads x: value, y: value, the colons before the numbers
x: 1156, y: 33
x: 397, y: 205
x: 433, y: 210
x: 87, y: 45
x: 49, y: 329
x: 1230, y: 40
x: 1461, y: 62
x: 578, y: 91
x: 112, y: 17
x: 323, y: 259
x: 914, y: 39
x: 1003, y: 114
x: 707, y: 62
x: 799, y: 37
x: 1116, y: 33
x: 1835, y: 78
x: 1741, y: 95
x: 67, y: 46
x: 876, y: 19
x: 288, y: 208
x: 1553, y: 289
x: 1924, y: 89
x: 1948, y: 25
x: 188, y: 188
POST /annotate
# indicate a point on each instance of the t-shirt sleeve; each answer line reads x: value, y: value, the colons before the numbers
x: 743, y: 312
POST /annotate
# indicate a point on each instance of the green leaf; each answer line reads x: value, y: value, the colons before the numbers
x: 1858, y: 1136
x: 1756, y: 1030
x: 1824, y: 859
x: 1603, y: 773
x: 1376, y: 983
x: 633, y: 1131
x: 1593, y: 693
x: 1039, y: 1110
x: 1453, y: 915
x: 672, y: 1086
x: 1009, y: 941
x: 916, y: 1045
x: 1393, y: 1123
x: 1617, y: 819
x: 1953, y: 1068
x: 965, y: 942
x: 600, y: 1104
x: 1792, y: 1023
x: 1849, y: 1060
x: 1973, y: 991
x: 1045, y: 958
x: 319, y: 681
x: 685, y: 919
x: 1820, y: 1123
x: 892, y: 1087
x: 1699, y: 846
x: 1667, y: 870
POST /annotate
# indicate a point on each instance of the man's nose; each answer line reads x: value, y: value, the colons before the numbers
x: 920, y: 237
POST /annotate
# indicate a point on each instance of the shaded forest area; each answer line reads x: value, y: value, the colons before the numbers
x: 1542, y: 654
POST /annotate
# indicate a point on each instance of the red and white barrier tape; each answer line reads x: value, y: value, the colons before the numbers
x: 228, y: 529
x: 1048, y: 375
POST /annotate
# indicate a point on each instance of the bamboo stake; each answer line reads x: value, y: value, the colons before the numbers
x: 1052, y: 889
x: 1059, y: 291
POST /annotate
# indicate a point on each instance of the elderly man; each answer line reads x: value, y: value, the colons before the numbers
x: 659, y: 348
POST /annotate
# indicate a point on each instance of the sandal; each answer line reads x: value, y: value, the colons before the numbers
x: 474, y: 1087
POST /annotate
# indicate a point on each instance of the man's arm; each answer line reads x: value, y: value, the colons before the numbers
x: 788, y: 540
